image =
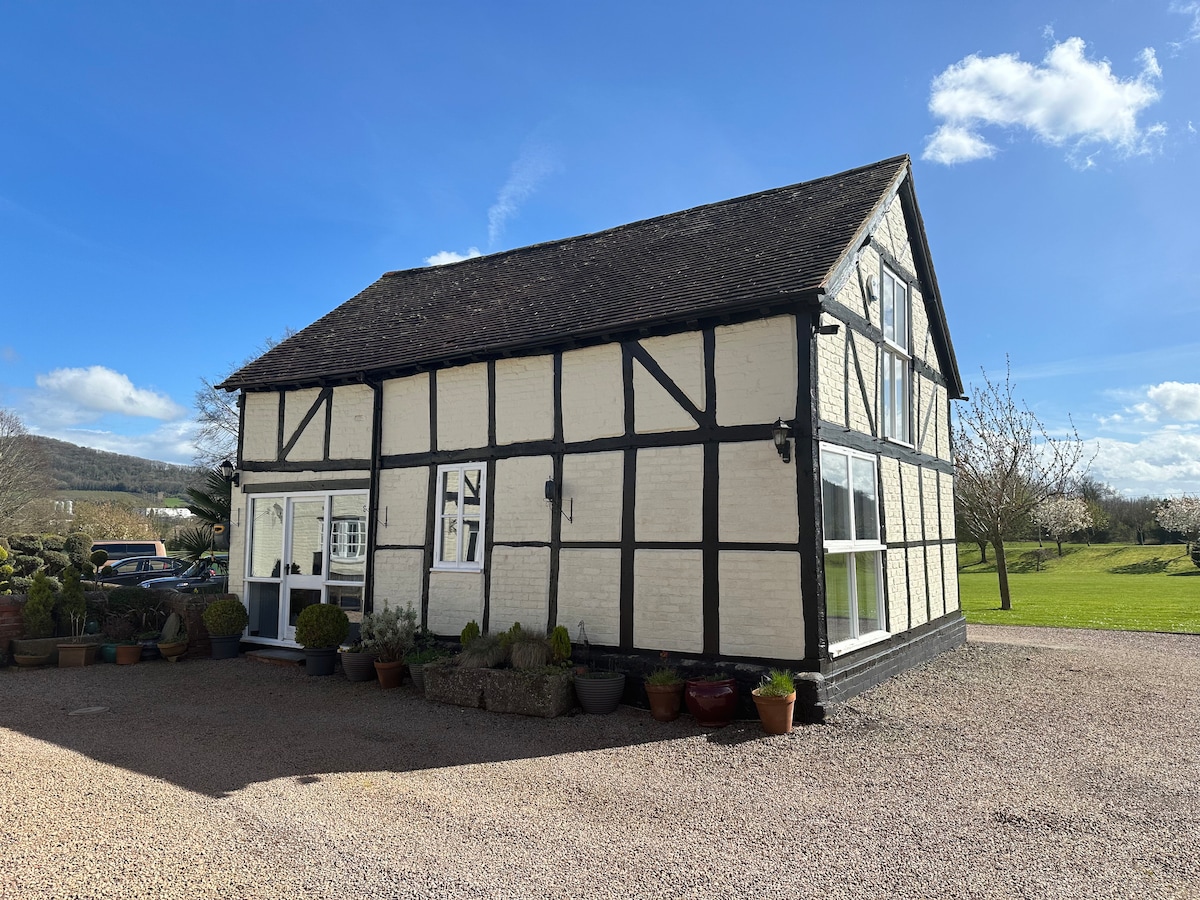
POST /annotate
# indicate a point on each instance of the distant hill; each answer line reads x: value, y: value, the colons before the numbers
x: 75, y: 468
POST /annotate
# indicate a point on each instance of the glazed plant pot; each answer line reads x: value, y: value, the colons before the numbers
x: 711, y: 703
x: 600, y: 693
x: 128, y: 654
x: 72, y: 656
x: 776, y: 713
x: 358, y: 666
x: 108, y: 653
x: 665, y: 701
x: 225, y: 646
x: 172, y: 650
x: 390, y: 674
x: 320, y: 660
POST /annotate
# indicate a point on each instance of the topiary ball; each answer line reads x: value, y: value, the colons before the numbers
x: 321, y: 625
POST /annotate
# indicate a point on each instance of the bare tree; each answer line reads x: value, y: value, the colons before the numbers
x: 24, y: 472
x: 217, y: 413
x: 1006, y: 463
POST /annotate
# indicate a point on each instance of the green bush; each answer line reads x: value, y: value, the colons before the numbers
x: 72, y: 602
x: 56, y: 561
x: 53, y: 542
x: 560, y: 644
x: 24, y: 564
x: 224, y: 618
x: 38, y: 607
x: 6, y: 572
x: 141, y: 606
x: 78, y: 547
x: 469, y: 634
x: 26, y: 544
x: 20, y: 584
x: 323, y: 625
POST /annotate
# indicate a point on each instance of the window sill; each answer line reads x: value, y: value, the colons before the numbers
x: 872, y: 637
x: 892, y: 440
x: 461, y: 570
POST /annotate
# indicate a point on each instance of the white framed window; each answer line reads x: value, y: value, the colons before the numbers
x: 348, y: 539
x: 458, y: 538
x: 853, y: 551
x: 895, y: 360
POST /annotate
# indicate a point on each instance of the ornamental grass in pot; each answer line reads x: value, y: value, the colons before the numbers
x: 320, y: 628
x: 225, y: 620
x: 664, y: 690
x: 775, y: 698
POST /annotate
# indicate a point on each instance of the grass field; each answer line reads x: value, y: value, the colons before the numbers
x: 1113, y: 586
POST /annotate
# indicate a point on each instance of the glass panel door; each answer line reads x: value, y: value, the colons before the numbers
x: 306, y: 559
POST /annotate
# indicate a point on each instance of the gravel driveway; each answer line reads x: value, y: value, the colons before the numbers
x: 1030, y: 763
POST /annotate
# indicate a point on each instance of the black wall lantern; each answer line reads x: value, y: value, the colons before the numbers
x: 554, y: 498
x: 779, y: 434
x: 229, y: 473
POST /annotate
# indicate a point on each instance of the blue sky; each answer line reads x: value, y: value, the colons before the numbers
x: 180, y: 183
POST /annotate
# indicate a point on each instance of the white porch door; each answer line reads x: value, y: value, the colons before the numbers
x: 305, y: 578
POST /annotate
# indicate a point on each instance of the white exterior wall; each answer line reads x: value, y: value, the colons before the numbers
x: 462, y: 397
x: 756, y: 497
x: 668, y: 600
x: 310, y: 445
x: 593, y: 398
x: 681, y: 357
x: 406, y: 415
x: 669, y: 496
x: 524, y: 399
x: 589, y: 591
x: 520, y: 511
x: 761, y: 610
x: 455, y: 598
x: 520, y: 590
x: 351, y: 422
x: 594, y: 481
x: 756, y: 371
x: 260, y: 429
x: 403, y: 503
x: 398, y: 578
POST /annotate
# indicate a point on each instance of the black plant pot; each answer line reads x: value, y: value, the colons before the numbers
x: 320, y: 660
x: 600, y: 693
x: 225, y: 646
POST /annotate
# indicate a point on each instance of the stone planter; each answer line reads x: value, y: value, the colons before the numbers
x: 600, y: 692
x: 72, y: 656
x: 49, y: 646
x: 448, y: 683
x: 31, y: 660
x: 527, y: 693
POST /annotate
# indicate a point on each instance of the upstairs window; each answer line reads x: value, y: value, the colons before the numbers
x: 895, y: 360
x: 458, y: 542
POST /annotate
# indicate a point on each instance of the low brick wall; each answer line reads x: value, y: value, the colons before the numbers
x: 11, y: 625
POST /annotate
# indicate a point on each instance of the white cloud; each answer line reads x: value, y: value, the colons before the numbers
x: 1068, y: 101
x: 1174, y: 399
x: 444, y: 257
x: 1187, y: 9
x: 530, y: 169
x: 1163, y: 463
x: 73, y: 396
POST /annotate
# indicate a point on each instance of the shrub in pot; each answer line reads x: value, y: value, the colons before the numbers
x: 391, y: 633
x: 664, y: 690
x: 225, y: 620
x: 74, y: 609
x: 37, y: 615
x: 775, y: 698
x: 417, y: 663
x: 319, y: 629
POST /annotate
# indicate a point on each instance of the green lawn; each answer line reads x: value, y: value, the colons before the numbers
x: 1113, y: 586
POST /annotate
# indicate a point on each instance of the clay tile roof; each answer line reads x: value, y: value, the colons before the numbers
x: 703, y: 261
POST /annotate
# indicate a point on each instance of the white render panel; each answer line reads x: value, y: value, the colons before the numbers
x: 594, y: 482
x: 943, y: 426
x: 889, y: 475
x: 669, y: 493
x: 589, y: 591
x: 897, y: 583
x: 261, y: 429
x: 593, y: 396
x: 681, y: 357
x: 352, y: 421
x: 462, y: 407
x: 916, y: 585
x: 668, y: 604
x: 860, y: 404
x: 524, y: 399
x: 929, y: 397
x: 520, y: 588
x: 761, y: 610
x: 950, y: 573
x: 756, y: 494
x: 311, y: 444
x: 520, y: 511
x: 756, y: 371
x: 654, y: 409
x: 937, y: 590
x: 286, y: 478
x: 832, y: 378
x: 910, y: 483
x: 403, y: 501
x: 406, y: 415
x: 946, y: 487
x: 398, y: 578
x: 455, y: 598
x: 892, y: 233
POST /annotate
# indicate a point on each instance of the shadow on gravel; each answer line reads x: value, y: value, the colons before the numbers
x: 215, y: 727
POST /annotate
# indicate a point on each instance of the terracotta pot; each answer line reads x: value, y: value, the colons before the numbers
x: 776, y: 713
x: 172, y: 650
x: 711, y: 703
x: 71, y: 656
x: 359, y: 665
x: 128, y: 654
x: 665, y: 700
x: 600, y: 693
x: 390, y: 673
x: 320, y: 660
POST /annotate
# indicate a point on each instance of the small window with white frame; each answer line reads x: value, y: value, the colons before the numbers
x: 853, y: 550
x: 460, y: 512
x: 895, y: 360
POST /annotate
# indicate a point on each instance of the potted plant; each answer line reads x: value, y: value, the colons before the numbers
x: 74, y: 607
x: 128, y: 653
x: 775, y: 698
x: 173, y: 641
x: 599, y: 693
x: 664, y: 690
x: 393, y: 631
x: 320, y: 628
x: 117, y: 630
x: 712, y: 700
x: 358, y: 659
x: 225, y: 620
x: 417, y: 662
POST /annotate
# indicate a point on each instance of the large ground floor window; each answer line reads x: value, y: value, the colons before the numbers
x: 853, y: 551
x: 301, y: 549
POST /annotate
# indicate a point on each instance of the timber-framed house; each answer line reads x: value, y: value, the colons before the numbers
x: 722, y: 432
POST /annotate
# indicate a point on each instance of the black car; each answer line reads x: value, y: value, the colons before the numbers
x: 205, y: 576
x: 137, y: 569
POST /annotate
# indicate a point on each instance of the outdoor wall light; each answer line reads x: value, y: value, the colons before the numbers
x: 554, y: 498
x: 828, y: 329
x: 229, y: 473
x: 779, y: 434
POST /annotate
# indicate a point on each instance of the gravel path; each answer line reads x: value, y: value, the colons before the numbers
x: 1031, y: 763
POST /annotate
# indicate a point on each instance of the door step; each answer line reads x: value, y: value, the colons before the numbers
x: 277, y: 656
